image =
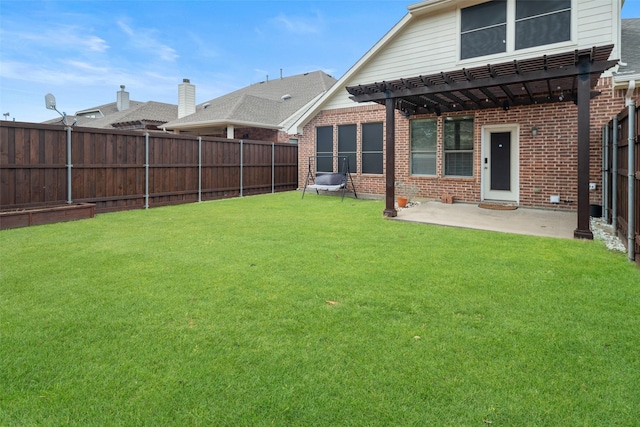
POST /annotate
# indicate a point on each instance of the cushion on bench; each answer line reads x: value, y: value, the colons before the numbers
x: 331, y: 179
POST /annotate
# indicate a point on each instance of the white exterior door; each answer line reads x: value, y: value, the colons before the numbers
x: 500, y: 163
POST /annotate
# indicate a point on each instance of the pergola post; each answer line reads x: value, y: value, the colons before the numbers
x: 583, y: 231
x: 390, y: 202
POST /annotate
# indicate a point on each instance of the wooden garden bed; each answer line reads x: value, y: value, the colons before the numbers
x: 45, y: 215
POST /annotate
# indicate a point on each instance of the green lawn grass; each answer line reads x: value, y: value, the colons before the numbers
x: 272, y: 310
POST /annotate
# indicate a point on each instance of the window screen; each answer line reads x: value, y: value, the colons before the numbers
x: 458, y: 147
x: 347, y: 146
x: 324, y: 149
x: 483, y: 29
x: 424, y: 141
x: 372, y: 148
x: 542, y: 22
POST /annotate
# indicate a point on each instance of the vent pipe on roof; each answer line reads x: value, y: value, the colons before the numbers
x: 122, y: 100
x: 186, y: 98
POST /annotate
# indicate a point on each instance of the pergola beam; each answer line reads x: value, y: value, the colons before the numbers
x: 499, y: 81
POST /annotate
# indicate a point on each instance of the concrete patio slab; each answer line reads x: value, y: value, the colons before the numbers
x: 534, y: 222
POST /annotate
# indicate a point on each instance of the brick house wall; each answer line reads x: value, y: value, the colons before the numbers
x: 548, y: 161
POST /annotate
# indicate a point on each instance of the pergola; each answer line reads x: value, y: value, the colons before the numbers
x: 563, y: 77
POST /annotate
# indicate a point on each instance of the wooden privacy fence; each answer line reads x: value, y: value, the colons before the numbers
x: 621, y: 173
x: 43, y: 165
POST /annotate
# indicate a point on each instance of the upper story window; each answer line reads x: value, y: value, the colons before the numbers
x: 483, y: 29
x: 542, y: 22
x: 501, y: 26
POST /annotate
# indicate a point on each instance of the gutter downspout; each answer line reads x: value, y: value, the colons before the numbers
x: 631, y: 231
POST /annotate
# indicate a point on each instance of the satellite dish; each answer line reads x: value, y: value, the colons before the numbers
x: 50, y: 101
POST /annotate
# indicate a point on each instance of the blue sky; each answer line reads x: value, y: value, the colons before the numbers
x: 82, y: 51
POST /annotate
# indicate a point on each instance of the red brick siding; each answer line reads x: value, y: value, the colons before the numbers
x: 548, y: 161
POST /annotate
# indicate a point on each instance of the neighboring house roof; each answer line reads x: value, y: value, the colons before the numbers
x: 108, y: 116
x: 630, y: 53
x: 268, y: 104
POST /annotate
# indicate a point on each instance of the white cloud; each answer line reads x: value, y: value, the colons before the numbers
x: 145, y: 40
x: 59, y: 37
x: 298, y: 25
x: 204, y: 48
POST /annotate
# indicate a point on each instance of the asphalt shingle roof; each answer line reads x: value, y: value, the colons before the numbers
x: 151, y: 111
x: 267, y: 103
x: 630, y: 46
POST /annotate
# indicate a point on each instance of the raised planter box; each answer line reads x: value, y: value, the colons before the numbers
x: 46, y: 215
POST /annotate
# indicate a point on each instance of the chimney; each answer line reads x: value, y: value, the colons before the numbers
x: 123, y: 99
x: 186, y: 98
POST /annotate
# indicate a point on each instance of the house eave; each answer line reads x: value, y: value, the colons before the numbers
x: 220, y: 123
x: 621, y: 81
x: 430, y: 6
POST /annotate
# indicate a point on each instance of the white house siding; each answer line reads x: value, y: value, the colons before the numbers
x: 598, y: 22
x: 429, y: 45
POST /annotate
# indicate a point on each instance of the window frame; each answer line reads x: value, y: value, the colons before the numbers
x: 511, y: 35
x: 344, y: 138
x: 364, y: 165
x: 320, y: 154
x: 434, y: 151
x: 446, y: 151
x: 484, y: 29
x: 548, y: 14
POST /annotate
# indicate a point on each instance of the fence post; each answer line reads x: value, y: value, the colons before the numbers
x: 605, y: 171
x: 614, y: 175
x: 241, y: 164
x: 146, y: 170
x: 199, y: 169
x: 631, y: 171
x: 273, y: 168
x: 69, y: 165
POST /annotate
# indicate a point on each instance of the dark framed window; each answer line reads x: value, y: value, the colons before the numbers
x: 542, y: 22
x: 324, y: 149
x: 424, y: 143
x: 458, y: 146
x: 372, y: 148
x: 347, y: 146
x: 483, y: 29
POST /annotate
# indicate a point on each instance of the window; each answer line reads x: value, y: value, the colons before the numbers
x: 347, y: 146
x: 458, y: 146
x: 424, y: 140
x: 324, y: 149
x: 501, y: 26
x: 372, y: 144
x: 483, y: 29
x: 542, y: 22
